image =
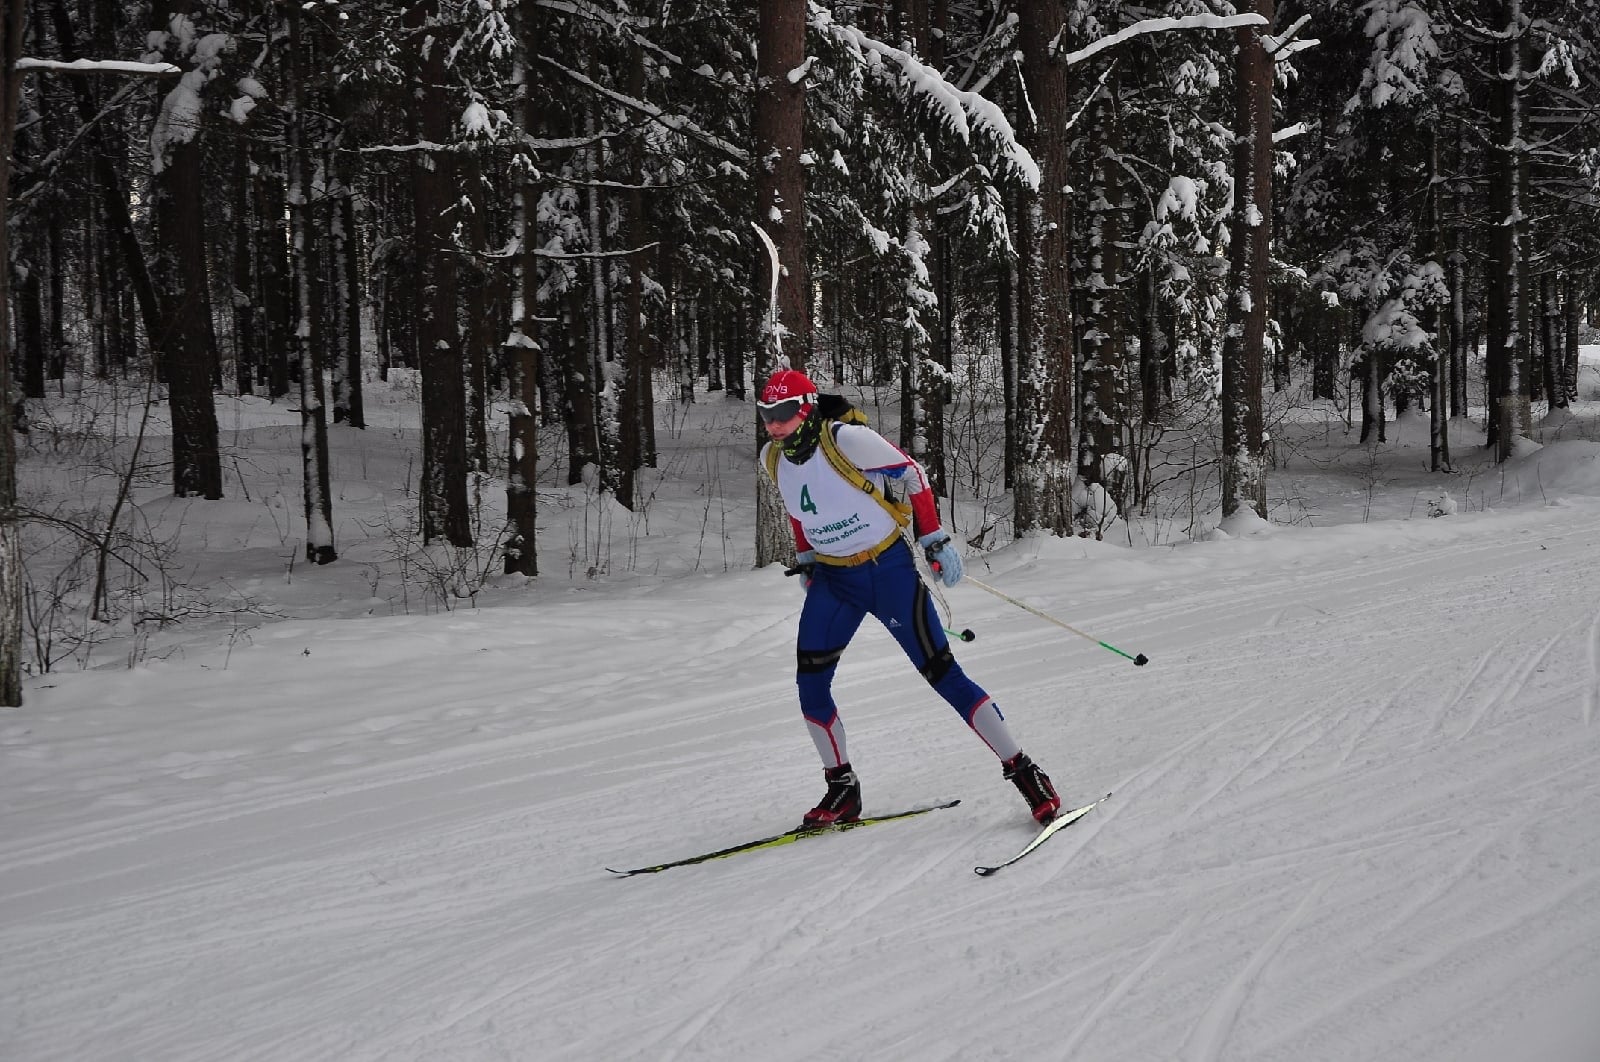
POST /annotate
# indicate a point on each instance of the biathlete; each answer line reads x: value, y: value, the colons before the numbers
x: 854, y: 561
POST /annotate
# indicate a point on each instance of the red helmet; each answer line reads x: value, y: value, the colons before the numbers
x: 786, y: 384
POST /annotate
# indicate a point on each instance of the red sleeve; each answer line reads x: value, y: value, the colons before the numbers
x: 800, y: 543
x: 924, y: 512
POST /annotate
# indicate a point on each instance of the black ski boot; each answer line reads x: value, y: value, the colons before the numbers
x: 842, y: 802
x: 1034, y: 785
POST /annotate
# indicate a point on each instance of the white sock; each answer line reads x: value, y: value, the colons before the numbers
x: 829, y: 741
x: 991, y: 727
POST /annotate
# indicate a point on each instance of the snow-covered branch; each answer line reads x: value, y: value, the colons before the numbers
x: 514, y: 247
x: 100, y: 66
x: 676, y: 122
x: 421, y: 145
x: 531, y: 143
x: 1282, y: 46
x: 1163, y: 25
x: 958, y: 104
x: 540, y: 252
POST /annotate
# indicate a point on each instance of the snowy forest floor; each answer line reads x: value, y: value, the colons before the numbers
x: 342, y: 813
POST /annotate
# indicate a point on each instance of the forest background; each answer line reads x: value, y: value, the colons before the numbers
x: 1085, y: 252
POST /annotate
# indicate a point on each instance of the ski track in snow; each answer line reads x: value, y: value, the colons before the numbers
x: 1126, y: 984
x: 1332, y: 835
x: 1591, y: 702
x: 1211, y: 1032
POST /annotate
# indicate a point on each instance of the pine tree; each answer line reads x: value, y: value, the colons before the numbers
x: 11, y: 574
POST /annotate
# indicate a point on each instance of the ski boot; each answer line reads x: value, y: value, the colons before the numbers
x: 842, y: 802
x: 1034, y: 785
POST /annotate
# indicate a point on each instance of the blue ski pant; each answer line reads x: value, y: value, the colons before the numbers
x: 889, y: 588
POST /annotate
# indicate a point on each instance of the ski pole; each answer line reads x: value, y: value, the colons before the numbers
x: 1139, y: 660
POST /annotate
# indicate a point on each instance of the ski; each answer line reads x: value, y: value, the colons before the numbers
x: 1049, y: 830
x: 799, y: 833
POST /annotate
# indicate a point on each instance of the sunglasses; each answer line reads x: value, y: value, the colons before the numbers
x: 779, y: 412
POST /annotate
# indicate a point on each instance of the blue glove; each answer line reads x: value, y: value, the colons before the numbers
x: 942, y: 556
x: 805, y: 562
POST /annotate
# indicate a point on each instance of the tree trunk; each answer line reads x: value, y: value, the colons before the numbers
x: 99, y: 301
x: 686, y: 345
x: 922, y: 348
x: 602, y: 334
x: 780, y: 109
x: 1371, y: 375
x: 1510, y: 415
x: 732, y: 352
x: 349, y: 406
x: 940, y: 392
x: 477, y: 319
x: 1439, y: 363
x: 1244, y: 465
x: 707, y: 326
x: 1573, y: 303
x: 1102, y: 433
x: 635, y: 376
x: 913, y: 306
x: 183, y: 347
x: 56, y: 343
x: 522, y: 363
x: 577, y: 371
x: 445, y: 510
x: 1007, y: 312
x: 274, y: 291
x: 29, y: 306
x: 1551, y: 353
x: 1458, y: 324
x: 247, y: 353
x: 316, y: 492
x: 1042, y: 498
x: 521, y: 348
x: 11, y: 574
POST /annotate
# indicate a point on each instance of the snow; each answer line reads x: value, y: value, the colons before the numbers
x: 1180, y: 197
x: 1354, y: 817
x: 100, y: 66
x: 478, y: 121
x: 179, y: 120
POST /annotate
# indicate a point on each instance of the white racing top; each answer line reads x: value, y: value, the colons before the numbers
x: 830, y: 514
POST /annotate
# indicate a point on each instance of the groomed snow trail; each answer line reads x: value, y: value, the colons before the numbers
x: 1356, y: 796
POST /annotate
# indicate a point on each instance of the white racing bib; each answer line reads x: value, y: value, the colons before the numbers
x: 838, y: 519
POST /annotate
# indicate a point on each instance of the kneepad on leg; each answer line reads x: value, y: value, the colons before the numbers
x: 814, y: 678
x: 938, y: 666
x: 814, y: 669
